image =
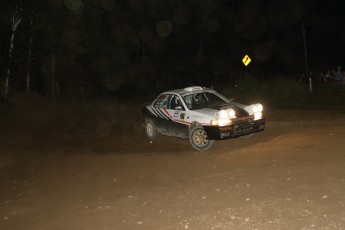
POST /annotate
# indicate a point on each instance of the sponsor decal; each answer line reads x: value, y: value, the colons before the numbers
x: 166, y: 112
x: 157, y: 112
x: 182, y: 116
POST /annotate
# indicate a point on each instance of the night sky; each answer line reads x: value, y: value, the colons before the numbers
x: 101, y: 46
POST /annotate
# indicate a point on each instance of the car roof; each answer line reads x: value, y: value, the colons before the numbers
x: 191, y: 89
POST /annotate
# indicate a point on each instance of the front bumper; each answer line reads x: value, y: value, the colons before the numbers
x: 234, y: 130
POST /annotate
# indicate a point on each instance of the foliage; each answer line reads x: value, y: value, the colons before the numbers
x: 282, y: 92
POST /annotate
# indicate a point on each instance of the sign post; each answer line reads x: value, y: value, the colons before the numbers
x: 246, y: 60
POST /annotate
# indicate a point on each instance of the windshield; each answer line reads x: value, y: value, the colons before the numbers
x: 207, y: 99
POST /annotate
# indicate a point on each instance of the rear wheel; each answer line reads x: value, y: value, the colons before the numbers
x: 199, y: 139
x: 151, y: 130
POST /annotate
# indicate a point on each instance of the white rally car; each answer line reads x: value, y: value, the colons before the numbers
x: 202, y: 115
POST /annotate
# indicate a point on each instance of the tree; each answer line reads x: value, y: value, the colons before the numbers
x: 16, y: 19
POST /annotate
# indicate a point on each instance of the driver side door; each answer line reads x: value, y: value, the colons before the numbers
x: 176, y: 112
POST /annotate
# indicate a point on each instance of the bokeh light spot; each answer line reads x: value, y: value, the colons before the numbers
x: 164, y: 28
x: 73, y: 5
x: 263, y: 51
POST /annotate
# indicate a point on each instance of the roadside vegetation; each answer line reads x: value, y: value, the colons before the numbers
x: 288, y: 93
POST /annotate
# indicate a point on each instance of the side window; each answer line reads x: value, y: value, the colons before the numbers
x: 195, y: 101
x: 188, y: 99
x: 162, y: 101
x: 175, y: 103
x: 198, y: 98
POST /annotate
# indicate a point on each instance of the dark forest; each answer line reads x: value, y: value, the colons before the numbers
x: 102, y: 47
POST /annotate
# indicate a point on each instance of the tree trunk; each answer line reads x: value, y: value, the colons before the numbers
x: 305, y: 49
x: 143, y: 61
x: 15, y: 22
x: 53, y: 80
x: 28, y: 71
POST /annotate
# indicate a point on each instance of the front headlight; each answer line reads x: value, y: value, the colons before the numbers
x: 231, y: 113
x: 214, y: 122
x: 260, y: 107
x: 257, y: 108
x: 221, y: 122
x: 257, y: 116
x: 224, y: 117
x: 223, y: 114
x: 227, y: 113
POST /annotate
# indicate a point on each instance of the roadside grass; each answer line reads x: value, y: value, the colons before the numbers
x: 288, y: 93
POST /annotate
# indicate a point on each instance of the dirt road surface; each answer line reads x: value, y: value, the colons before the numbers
x: 291, y: 176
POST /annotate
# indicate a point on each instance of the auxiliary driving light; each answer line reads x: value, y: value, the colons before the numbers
x: 232, y: 113
x: 257, y: 108
x: 223, y: 114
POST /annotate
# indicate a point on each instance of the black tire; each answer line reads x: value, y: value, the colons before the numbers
x: 151, y: 130
x: 199, y: 139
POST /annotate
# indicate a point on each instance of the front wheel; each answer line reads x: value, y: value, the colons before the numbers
x: 199, y: 139
x: 151, y: 130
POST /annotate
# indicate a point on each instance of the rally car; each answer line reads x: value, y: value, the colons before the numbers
x: 202, y: 115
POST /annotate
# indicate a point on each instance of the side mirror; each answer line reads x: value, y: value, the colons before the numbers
x: 178, y: 107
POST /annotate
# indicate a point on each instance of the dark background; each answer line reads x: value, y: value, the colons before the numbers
x: 107, y: 47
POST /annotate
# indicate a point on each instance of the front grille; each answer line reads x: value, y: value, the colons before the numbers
x: 243, y: 119
x: 240, y: 130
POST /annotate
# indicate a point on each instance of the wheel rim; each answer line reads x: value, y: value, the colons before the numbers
x: 149, y: 129
x: 200, y: 138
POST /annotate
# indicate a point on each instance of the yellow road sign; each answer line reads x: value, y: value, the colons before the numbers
x: 246, y: 60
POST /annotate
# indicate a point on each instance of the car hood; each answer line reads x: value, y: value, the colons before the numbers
x: 213, y: 111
